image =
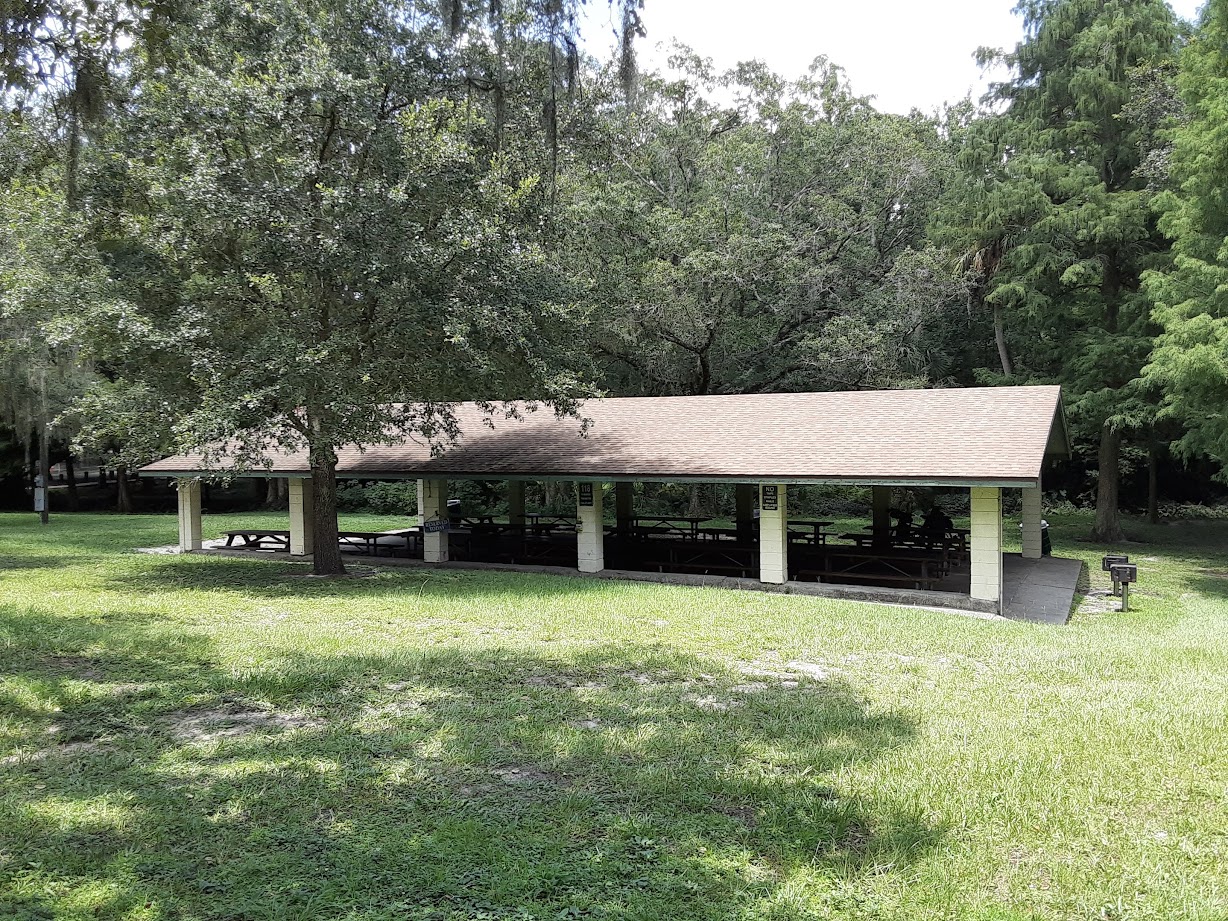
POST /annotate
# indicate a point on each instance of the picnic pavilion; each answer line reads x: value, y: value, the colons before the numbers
x: 985, y: 440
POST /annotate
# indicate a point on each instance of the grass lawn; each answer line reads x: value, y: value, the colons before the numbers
x: 196, y: 737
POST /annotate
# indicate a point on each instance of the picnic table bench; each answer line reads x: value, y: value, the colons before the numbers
x: 256, y: 538
x: 920, y: 568
x: 817, y: 535
x: 368, y: 542
x: 685, y: 526
x: 545, y: 521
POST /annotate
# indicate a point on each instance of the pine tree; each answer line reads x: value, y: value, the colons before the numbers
x: 1191, y: 358
x: 1053, y: 192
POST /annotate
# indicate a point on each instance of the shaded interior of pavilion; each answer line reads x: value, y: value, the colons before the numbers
x: 893, y: 543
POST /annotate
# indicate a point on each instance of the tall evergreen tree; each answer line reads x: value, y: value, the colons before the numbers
x: 1053, y: 201
x: 1191, y: 359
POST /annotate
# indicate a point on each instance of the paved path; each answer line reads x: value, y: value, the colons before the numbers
x: 1039, y: 590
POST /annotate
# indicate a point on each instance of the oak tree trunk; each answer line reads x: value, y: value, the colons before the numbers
x: 123, y: 495
x: 326, y: 553
x: 1108, y: 517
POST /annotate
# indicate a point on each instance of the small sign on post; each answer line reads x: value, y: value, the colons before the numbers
x: 436, y: 525
x: 586, y: 495
x: 769, y: 500
x: 40, y: 499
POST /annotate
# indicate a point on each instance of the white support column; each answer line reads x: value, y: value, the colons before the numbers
x: 590, y: 532
x: 986, y: 544
x: 433, y: 500
x: 189, y: 515
x: 515, y: 501
x: 1031, y: 523
x: 302, y: 517
x: 773, y: 533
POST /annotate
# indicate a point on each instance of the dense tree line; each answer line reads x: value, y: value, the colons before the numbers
x: 267, y: 223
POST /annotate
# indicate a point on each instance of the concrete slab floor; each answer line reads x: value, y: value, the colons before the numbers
x: 1039, y: 590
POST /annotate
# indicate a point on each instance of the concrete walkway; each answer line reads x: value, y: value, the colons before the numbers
x: 1039, y: 590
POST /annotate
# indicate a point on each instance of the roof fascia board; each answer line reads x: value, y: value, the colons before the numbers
x: 999, y: 482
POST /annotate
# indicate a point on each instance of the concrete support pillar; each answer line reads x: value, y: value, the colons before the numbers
x: 986, y: 544
x: 773, y: 534
x: 433, y: 499
x: 1031, y: 523
x: 590, y: 532
x: 744, y: 512
x: 882, y: 513
x: 515, y: 502
x: 189, y: 515
x: 302, y: 517
x: 624, y: 507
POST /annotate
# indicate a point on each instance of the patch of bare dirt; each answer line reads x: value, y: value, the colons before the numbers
x: 526, y: 775
x: 563, y: 682
x: 80, y: 666
x: 1099, y: 601
x: 67, y: 750
x: 775, y: 674
x: 232, y: 720
x: 710, y: 704
x: 747, y: 815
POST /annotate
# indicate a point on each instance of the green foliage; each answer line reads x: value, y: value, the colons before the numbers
x: 395, y: 497
x: 773, y: 244
x: 1190, y: 362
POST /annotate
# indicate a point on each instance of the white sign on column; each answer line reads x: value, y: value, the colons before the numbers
x: 773, y: 534
x: 435, y: 523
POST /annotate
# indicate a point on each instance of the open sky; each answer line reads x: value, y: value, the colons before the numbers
x: 906, y: 53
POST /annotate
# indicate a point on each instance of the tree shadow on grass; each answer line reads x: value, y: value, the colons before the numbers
x: 433, y: 784
x: 280, y: 579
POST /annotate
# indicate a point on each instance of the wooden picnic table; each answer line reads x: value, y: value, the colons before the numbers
x: 369, y: 541
x: 920, y: 568
x: 818, y: 535
x: 256, y: 538
x: 547, y: 521
x: 685, y: 526
x: 952, y: 540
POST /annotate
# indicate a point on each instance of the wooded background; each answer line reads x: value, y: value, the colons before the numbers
x: 268, y: 221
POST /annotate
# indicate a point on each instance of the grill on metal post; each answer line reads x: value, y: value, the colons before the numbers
x: 1106, y: 565
x: 1125, y: 573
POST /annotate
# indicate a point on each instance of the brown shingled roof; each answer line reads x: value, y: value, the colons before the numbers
x: 985, y: 436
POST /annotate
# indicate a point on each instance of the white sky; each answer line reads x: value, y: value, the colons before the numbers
x: 906, y: 53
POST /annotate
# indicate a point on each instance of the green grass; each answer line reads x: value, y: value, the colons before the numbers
x: 199, y: 737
